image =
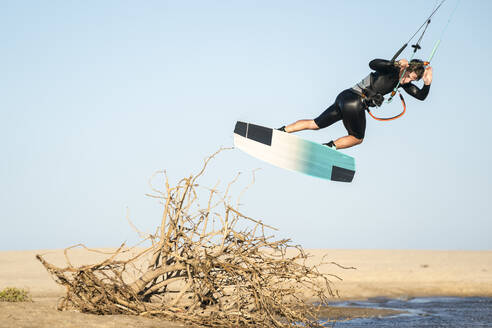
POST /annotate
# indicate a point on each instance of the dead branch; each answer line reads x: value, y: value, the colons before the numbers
x: 198, y: 273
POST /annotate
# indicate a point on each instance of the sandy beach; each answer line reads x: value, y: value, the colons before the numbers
x: 410, y: 273
x: 376, y: 273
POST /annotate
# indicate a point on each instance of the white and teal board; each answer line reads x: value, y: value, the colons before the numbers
x: 293, y: 153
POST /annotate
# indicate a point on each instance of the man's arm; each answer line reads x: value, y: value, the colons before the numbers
x: 382, y: 65
x: 415, y: 92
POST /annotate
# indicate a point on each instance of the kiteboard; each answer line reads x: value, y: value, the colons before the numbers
x: 291, y: 152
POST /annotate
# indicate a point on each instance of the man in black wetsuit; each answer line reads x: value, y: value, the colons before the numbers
x: 350, y: 104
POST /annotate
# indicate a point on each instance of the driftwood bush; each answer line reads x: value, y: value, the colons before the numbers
x: 200, y: 269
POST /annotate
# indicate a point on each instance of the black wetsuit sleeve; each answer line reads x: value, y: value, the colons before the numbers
x: 382, y: 65
x: 415, y: 92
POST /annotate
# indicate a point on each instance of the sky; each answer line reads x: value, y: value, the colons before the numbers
x: 96, y: 96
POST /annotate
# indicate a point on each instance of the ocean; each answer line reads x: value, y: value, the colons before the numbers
x: 448, y: 312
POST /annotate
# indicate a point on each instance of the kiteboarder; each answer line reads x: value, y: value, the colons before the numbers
x: 351, y: 104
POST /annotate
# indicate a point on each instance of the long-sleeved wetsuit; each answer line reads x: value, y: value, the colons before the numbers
x: 349, y: 105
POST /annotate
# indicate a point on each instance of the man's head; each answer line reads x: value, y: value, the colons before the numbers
x: 416, y: 69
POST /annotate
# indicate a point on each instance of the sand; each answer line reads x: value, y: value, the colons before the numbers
x: 410, y: 273
x: 378, y: 273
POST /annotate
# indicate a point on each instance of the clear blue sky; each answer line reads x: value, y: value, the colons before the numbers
x: 98, y: 95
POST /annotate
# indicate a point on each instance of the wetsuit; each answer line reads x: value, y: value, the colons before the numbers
x: 350, y: 105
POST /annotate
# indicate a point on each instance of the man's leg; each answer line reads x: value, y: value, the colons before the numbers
x: 354, y: 120
x: 327, y: 118
x: 301, y: 125
x: 347, y: 141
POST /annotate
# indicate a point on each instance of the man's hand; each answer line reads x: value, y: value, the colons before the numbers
x: 403, y: 63
x: 427, y: 75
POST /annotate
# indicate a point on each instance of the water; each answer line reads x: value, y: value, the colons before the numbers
x: 443, y: 312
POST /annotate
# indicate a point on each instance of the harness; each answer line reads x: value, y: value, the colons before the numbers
x: 372, y: 102
x: 370, y: 98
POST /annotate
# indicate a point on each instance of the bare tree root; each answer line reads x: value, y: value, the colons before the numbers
x: 200, y: 269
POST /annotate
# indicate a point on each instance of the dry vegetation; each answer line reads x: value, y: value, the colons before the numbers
x: 12, y: 294
x: 200, y: 269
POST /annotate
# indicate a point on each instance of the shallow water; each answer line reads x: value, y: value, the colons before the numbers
x: 449, y: 312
